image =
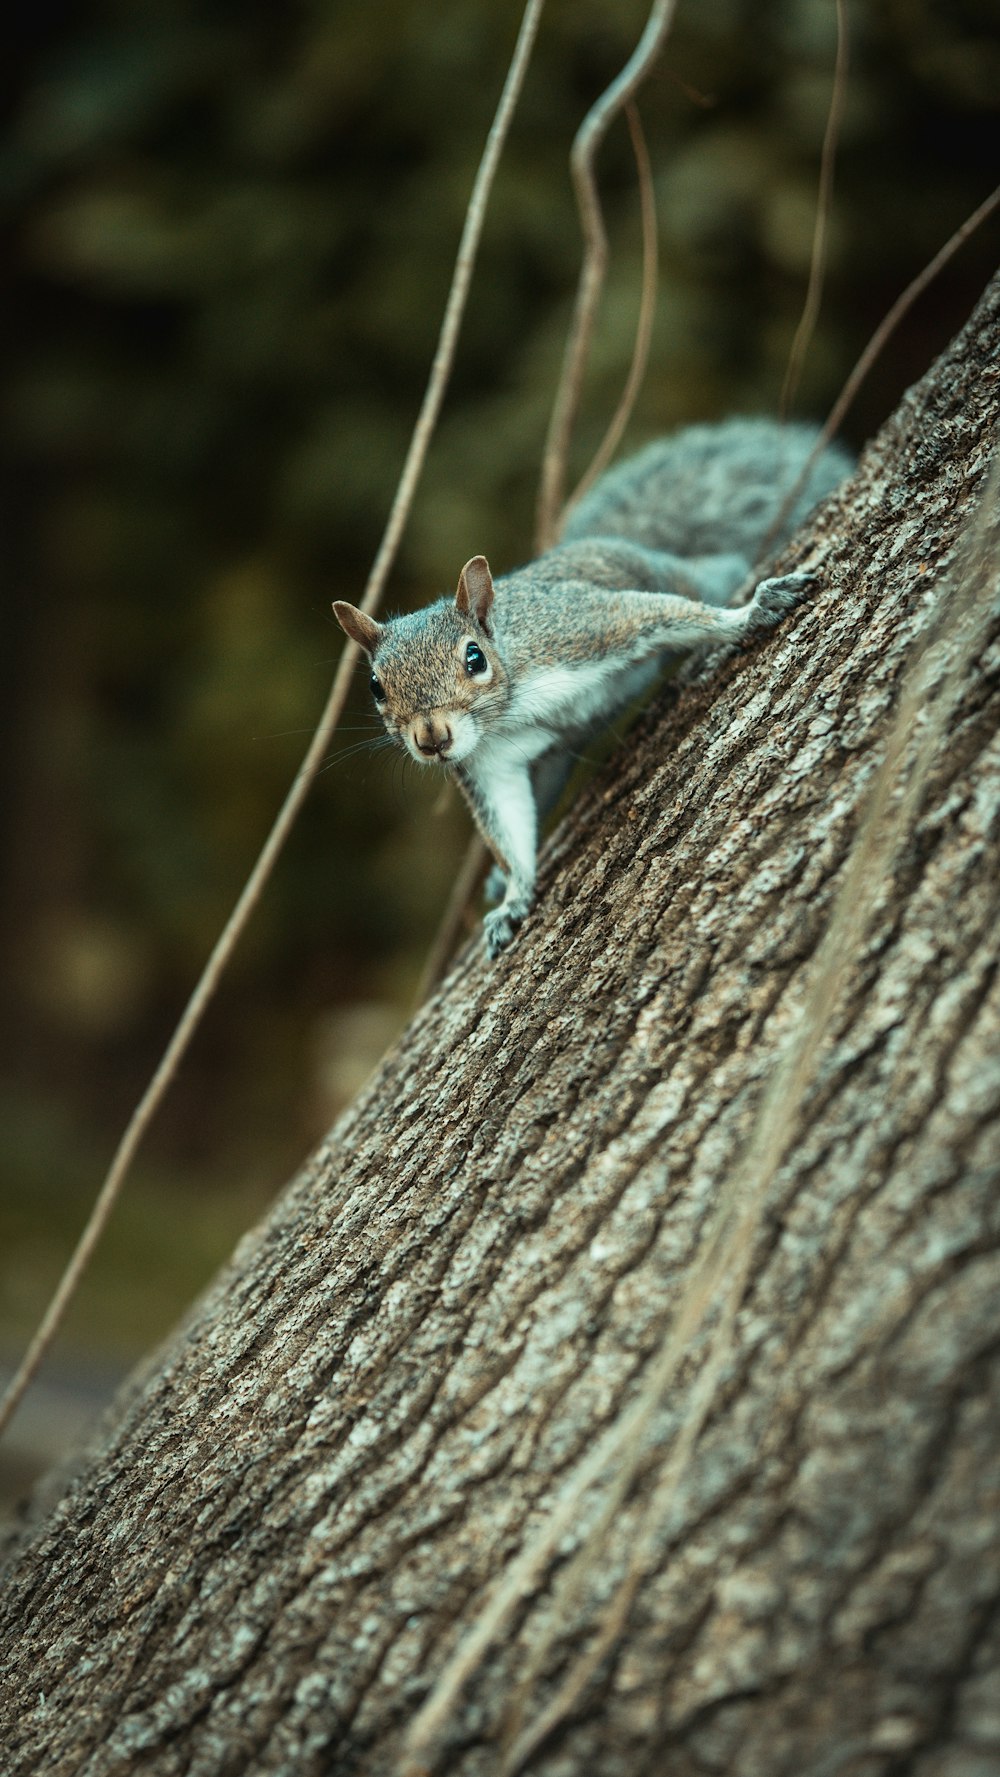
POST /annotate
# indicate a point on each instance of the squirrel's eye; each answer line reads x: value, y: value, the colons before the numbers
x: 378, y: 689
x: 475, y: 660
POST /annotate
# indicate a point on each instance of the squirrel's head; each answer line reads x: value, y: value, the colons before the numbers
x: 437, y: 678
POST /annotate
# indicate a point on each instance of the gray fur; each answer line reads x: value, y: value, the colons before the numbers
x: 710, y: 489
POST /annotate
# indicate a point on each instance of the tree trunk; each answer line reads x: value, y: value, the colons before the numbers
x: 567, y: 1415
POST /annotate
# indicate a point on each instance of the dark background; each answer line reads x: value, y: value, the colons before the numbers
x: 228, y: 233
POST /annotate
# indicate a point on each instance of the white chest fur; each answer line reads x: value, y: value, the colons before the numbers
x: 552, y: 701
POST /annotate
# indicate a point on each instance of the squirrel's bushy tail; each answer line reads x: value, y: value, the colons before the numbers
x: 712, y: 489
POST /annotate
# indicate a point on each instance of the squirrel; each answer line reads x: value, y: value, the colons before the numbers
x: 502, y: 683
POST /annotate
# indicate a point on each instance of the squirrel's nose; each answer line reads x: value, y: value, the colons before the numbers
x: 433, y: 737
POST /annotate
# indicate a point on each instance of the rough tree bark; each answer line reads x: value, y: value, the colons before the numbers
x: 312, y: 1496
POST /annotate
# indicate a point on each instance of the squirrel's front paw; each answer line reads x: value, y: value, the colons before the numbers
x: 772, y: 599
x: 500, y: 924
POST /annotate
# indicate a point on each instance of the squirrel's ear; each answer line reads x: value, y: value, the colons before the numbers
x: 475, y: 591
x: 354, y: 623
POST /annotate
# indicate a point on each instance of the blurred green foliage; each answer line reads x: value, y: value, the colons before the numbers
x: 228, y: 237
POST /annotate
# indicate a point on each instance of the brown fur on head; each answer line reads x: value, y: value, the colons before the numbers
x: 474, y: 597
x: 437, y: 674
